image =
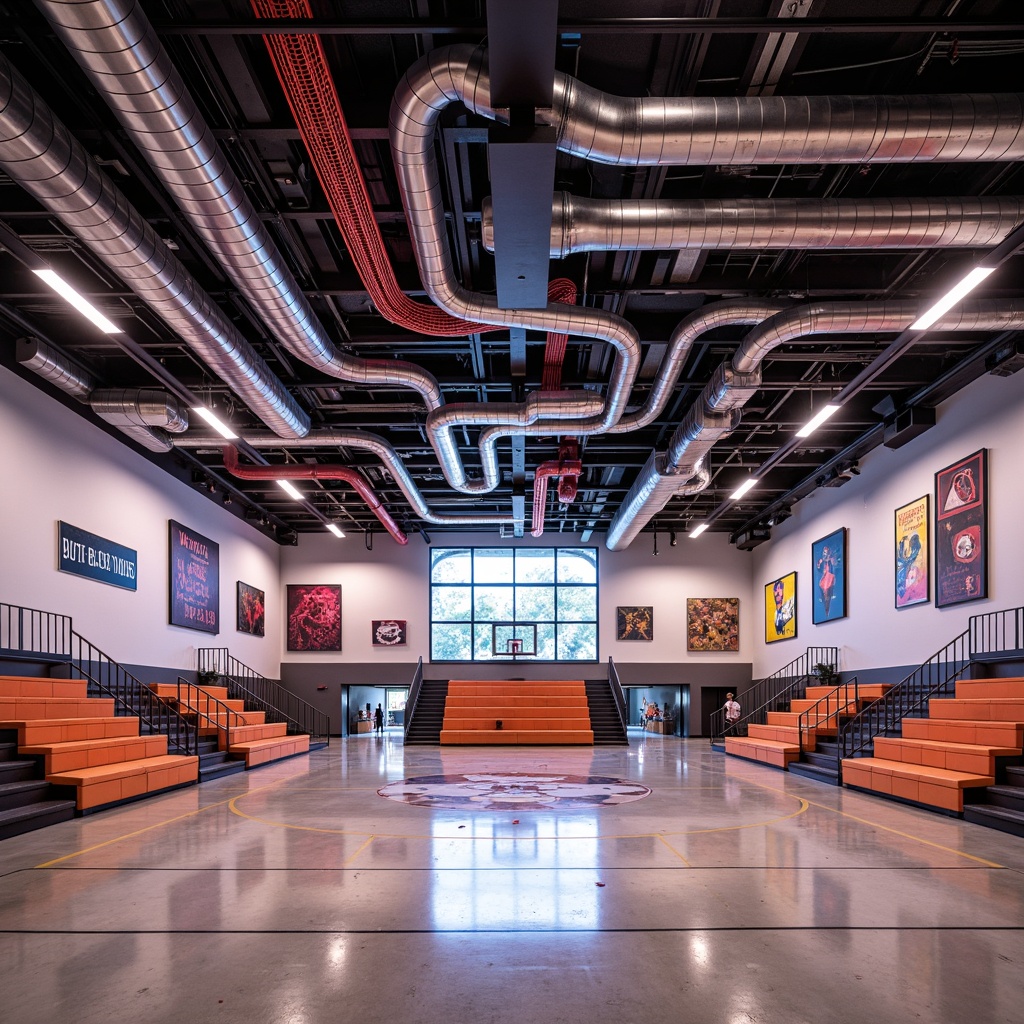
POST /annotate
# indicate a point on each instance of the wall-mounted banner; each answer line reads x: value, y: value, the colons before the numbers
x: 96, y: 558
x: 195, y: 580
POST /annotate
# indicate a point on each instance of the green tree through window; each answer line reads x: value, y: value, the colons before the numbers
x: 554, y: 589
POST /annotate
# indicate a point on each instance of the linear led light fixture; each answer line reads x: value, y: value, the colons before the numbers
x: 743, y: 488
x: 824, y: 413
x: 335, y: 530
x: 82, y: 304
x: 698, y: 530
x: 222, y: 428
x: 951, y: 298
x: 290, y: 489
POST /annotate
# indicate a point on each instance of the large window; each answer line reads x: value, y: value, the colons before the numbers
x: 505, y: 604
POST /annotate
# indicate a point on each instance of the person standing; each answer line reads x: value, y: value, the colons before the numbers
x: 732, y: 711
x: 378, y: 720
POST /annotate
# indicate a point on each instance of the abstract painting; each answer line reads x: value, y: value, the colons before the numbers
x: 314, y: 617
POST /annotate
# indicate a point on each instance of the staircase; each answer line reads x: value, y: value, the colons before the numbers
x: 604, y: 715
x: 27, y: 800
x: 427, y: 716
x: 1000, y: 806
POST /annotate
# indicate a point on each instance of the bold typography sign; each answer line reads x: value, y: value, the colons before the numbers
x: 96, y: 558
x: 195, y: 580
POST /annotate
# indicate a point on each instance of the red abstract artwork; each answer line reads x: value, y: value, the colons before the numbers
x: 252, y: 610
x: 314, y: 617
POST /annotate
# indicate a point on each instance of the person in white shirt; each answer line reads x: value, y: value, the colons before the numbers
x: 732, y: 711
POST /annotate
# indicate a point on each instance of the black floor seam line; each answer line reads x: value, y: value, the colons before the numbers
x: 499, y: 869
x: 743, y: 929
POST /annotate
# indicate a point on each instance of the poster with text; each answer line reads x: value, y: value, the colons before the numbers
x: 195, y: 580
x: 912, y: 563
x: 961, y: 544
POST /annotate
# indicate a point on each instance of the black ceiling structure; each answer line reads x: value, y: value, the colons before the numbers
x: 425, y: 257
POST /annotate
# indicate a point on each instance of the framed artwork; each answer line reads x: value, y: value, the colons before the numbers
x: 961, y: 526
x: 912, y: 563
x: 712, y: 623
x: 388, y: 632
x: 780, y: 609
x: 194, y: 580
x: 251, y: 607
x: 634, y: 622
x: 314, y: 617
x: 828, y: 570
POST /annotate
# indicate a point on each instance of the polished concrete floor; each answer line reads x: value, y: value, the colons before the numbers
x: 296, y: 894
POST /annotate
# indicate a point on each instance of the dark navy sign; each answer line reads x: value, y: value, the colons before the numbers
x: 195, y: 580
x: 96, y: 558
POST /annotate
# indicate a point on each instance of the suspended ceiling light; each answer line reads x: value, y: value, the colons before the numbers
x: 222, y: 428
x: 80, y: 302
x: 743, y: 488
x: 290, y: 489
x: 824, y: 413
x: 698, y: 530
x: 951, y: 298
x: 335, y: 530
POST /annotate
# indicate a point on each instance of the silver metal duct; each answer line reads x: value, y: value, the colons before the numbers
x: 365, y: 442
x: 117, y: 47
x: 137, y: 411
x: 41, y: 155
x: 691, y: 327
x: 440, y: 78
x: 604, y: 225
x: 35, y: 354
x: 717, y: 412
x: 847, y: 317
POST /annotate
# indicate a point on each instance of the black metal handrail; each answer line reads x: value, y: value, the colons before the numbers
x: 774, y: 692
x: 262, y: 694
x: 620, y: 699
x: 30, y: 631
x: 132, y: 697
x: 990, y: 635
x: 813, y: 718
x: 414, y: 695
x: 191, y: 698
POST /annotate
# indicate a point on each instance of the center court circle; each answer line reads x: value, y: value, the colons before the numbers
x: 518, y: 791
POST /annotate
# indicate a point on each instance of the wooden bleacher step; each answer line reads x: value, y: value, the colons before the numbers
x: 950, y: 758
x: 83, y: 746
x: 537, y: 712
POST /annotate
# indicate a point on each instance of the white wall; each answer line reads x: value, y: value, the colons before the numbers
x: 56, y: 466
x: 392, y: 582
x: 988, y: 414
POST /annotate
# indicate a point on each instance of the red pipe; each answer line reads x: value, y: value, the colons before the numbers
x: 571, y: 468
x: 314, y: 472
x: 304, y: 73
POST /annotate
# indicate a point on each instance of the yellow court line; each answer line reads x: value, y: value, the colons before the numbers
x: 675, y: 851
x: 885, y: 828
x: 149, y: 828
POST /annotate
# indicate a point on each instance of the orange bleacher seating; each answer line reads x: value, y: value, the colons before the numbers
x: 538, y: 712
x: 952, y: 750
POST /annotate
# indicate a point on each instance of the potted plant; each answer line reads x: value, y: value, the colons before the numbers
x: 827, y: 675
x: 207, y: 676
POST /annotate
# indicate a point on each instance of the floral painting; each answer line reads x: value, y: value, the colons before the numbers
x: 314, y: 617
x: 252, y: 610
x: 712, y: 623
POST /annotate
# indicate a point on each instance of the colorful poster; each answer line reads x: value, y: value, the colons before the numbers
x: 195, y: 580
x: 96, y: 558
x: 314, y: 617
x: 780, y: 609
x: 252, y: 610
x: 912, y: 563
x: 712, y: 623
x: 961, y: 542
x: 828, y: 570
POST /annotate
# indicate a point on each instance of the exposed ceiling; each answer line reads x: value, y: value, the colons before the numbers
x: 791, y: 244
